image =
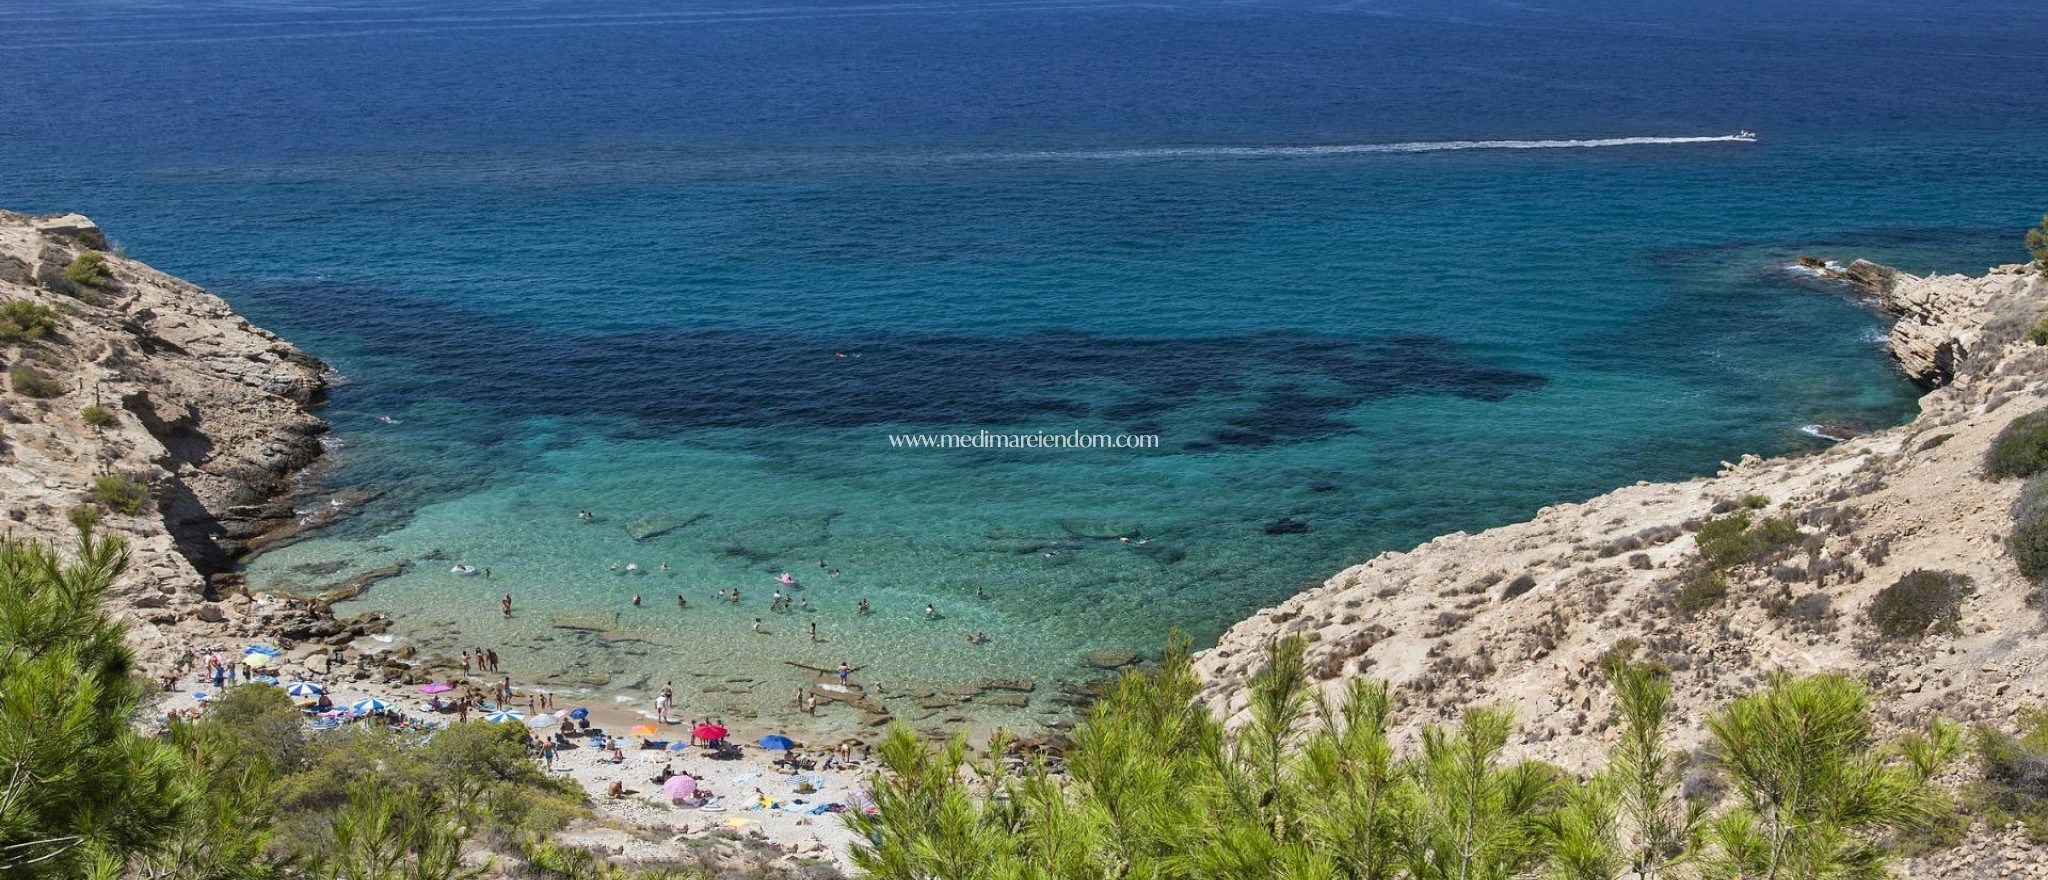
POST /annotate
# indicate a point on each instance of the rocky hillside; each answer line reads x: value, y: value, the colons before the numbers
x: 129, y: 380
x: 1519, y: 616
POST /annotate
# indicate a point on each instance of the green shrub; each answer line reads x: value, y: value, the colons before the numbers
x: 83, y: 518
x: 31, y: 382
x: 1738, y: 538
x: 88, y: 268
x: 2029, y: 539
x: 2014, y: 776
x: 97, y: 416
x: 119, y: 494
x: 23, y: 321
x: 1699, y: 591
x: 2037, y: 243
x: 1755, y: 502
x: 2021, y: 450
x: 2038, y: 333
x: 1920, y: 600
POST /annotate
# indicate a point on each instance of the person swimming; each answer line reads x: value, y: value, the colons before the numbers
x: 632, y: 567
x: 930, y: 612
x: 585, y: 515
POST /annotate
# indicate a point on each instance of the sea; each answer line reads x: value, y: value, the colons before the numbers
x: 1366, y: 272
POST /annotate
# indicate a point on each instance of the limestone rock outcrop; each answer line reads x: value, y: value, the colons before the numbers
x: 207, y: 412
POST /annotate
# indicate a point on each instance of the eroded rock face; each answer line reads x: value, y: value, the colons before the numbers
x: 208, y: 411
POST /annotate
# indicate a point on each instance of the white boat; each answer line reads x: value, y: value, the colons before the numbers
x: 1745, y: 135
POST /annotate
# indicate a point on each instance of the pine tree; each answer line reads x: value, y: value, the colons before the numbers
x: 1814, y: 792
x: 81, y: 793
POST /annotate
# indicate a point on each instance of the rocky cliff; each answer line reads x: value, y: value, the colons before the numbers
x: 142, y: 377
x: 1519, y: 616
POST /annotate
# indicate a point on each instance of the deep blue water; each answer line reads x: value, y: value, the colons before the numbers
x: 602, y: 255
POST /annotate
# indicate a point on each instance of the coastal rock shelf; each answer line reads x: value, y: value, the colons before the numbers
x: 208, y: 412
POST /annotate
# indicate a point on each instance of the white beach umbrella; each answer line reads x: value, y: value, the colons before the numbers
x: 503, y: 715
x: 370, y: 705
x: 305, y: 689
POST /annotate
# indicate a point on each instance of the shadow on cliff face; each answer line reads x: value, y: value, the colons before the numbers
x: 1283, y: 387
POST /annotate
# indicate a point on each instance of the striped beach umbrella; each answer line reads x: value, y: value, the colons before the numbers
x: 370, y: 705
x: 503, y: 715
x: 305, y: 689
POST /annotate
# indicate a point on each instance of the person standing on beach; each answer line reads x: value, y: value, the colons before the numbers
x: 845, y: 672
x: 493, y: 655
x: 505, y: 604
x: 661, y: 708
x: 465, y: 661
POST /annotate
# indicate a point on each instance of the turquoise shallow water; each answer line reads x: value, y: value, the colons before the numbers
x: 603, y: 259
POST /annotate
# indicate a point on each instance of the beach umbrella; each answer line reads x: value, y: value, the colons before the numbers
x: 503, y: 715
x: 777, y: 741
x: 263, y: 679
x: 265, y: 650
x: 539, y: 721
x: 579, y: 713
x: 370, y: 705
x: 644, y: 730
x: 709, y: 731
x: 679, y: 787
x: 305, y: 689
x: 258, y: 661
x: 436, y: 688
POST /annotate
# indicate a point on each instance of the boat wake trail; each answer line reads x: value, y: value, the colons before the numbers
x: 1153, y: 153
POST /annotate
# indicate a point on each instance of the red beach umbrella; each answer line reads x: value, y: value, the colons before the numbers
x: 709, y: 731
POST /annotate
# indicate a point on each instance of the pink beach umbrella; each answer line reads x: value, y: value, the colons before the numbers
x: 436, y: 688
x: 680, y: 787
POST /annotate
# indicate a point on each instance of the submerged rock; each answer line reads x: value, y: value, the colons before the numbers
x: 1110, y: 658
x: 1289, y: 526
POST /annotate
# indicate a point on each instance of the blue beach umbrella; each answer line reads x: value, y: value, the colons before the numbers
x: 263, y: 679
x: 305, y: 689
x: 777, y: 741
x: 579, y: 713
x: 261, y: 649
x: 370, y: 705
x: 503, y: 715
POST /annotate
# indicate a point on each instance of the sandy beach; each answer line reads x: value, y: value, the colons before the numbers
x: 749, y: 796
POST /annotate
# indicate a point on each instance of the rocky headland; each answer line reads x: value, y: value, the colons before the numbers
x: 140, y: 381
x: 1521, y: 616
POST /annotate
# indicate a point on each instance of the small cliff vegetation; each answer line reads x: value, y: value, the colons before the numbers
x: 2037, y: 244
x: 22, y: 321
x: 2020, y: 449
x: 1316, y: 788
